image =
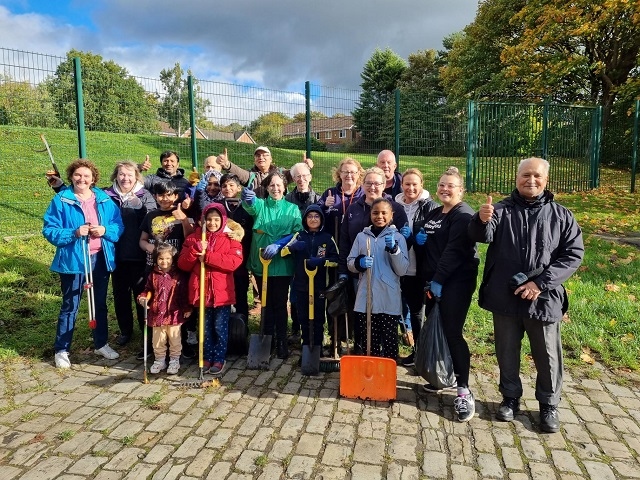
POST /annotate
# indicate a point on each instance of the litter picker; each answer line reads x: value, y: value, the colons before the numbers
x: 367, y: 377
x: 146, y: 335
x: 88, y: 282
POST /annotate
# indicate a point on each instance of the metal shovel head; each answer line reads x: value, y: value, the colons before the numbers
x: 259, y: 352
x: 310, y: 360
x: 368, y: 378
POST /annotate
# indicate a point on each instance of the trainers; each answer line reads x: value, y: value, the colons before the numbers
x: 432, y: 388
x: 107, y: 352
x: 62, y: 360
x: 294, y: 338
x: 174, y: 366
x: 509, y: 407
x: 408, y: 361
x: 465, y: 407
x: 549, y: 418
x: 122, y: 340
x: 158, y: 366
x: 192, y: 338
x: 217, y: 368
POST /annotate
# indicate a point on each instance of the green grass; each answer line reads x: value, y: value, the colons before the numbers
x: 602, y: 322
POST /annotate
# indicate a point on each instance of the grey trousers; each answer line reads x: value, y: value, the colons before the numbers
x: 546, y: 349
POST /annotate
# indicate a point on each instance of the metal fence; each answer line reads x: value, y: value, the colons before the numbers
x: 127, y: 117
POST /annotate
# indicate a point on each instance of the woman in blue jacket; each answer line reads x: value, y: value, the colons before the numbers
x: 82, y: 213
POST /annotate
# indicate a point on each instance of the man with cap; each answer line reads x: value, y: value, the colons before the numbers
x: 262, y: 167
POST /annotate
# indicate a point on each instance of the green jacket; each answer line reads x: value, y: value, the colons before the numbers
x: 272, y: 220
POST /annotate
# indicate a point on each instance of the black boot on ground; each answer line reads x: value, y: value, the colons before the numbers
x: 283, y: 349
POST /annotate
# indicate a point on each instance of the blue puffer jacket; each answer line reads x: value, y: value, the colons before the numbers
x: 64, y: 216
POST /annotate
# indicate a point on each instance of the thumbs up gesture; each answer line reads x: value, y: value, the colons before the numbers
x: 406, y: 231
x: 248, y: 195
x: 421, y: 237
x: 223, y: 160
x: 178, y: 214
x: 308, y: 161
x: 486, y: 210
x: 330, y: 201
x: 146, y: 165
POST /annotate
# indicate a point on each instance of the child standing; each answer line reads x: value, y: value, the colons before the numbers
x: 317, y: 249
x: 168, y: 308
x: 381, y: 248
x: 221, y: 254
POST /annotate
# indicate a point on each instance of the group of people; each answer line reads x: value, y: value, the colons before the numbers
x: 375, y: 223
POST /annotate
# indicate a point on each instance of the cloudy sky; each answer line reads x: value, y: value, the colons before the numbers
x: 276, y: 44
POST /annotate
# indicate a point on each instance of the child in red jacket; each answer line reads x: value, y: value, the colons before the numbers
x: 221, y: 254
x: 168, y: 308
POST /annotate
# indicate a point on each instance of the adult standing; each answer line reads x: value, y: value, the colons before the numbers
x: 169, y: 172
x: 535, y: 245
x: 448, y: 259
x: 263, y: 166
x: 417, y: 203
x: 275, y: 221
x: 81, y: 214
x: 386, y: 161
x: 128, y: 278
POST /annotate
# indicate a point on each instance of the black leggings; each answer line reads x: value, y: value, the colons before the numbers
x: 454, y: 306
x: 413, y: 293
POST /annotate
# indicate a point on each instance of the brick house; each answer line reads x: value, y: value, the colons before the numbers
x: 334, y: 132
x: 241, y: 136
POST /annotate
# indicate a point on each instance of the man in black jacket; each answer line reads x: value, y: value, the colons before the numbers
x: 535, y: 245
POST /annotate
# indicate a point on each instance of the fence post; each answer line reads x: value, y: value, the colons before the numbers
x: 192, y: 121
x: 596, y: 134
x: 82, y: 141
x: 545, y: 129
x: 634, y: 155
x: 307, y: 116
x: 471, y: 144
x: 396, y: 134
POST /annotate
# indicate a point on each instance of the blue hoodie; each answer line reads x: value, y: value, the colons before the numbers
x: 317, y: 244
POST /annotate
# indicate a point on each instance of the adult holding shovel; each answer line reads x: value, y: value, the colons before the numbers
x: 77, y: 213
x: 275, y: 220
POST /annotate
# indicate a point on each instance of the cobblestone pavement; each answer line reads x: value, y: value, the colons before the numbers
x: 99, y: 421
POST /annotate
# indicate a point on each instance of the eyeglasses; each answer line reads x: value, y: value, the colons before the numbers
x: 450, y: 186
x: 298, y: 177
x: 349, y: 174
x: 373, y: 184
x: 313, y: 216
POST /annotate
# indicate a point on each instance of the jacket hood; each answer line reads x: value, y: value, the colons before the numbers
x: 220, y: 209
x: 313, y: 208
x: 545, y: 197
x: 400, y: 198
x: 234, y: 230
x: 164, y: 174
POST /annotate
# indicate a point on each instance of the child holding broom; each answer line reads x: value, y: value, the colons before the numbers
x: 381, y: 248
x: 221, y: 252
x: 168, y: 308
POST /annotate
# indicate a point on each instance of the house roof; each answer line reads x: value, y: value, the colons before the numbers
x: 319, y: 125
x: 208, y: 134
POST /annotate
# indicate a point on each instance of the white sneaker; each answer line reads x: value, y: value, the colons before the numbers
x: 107, y: 352
x: 192, y: 338
x: 158, y: 366
x: 174, y: 366
x: 62, y: 360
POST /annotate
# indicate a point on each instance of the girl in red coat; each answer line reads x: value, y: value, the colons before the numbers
x: 222, y: 254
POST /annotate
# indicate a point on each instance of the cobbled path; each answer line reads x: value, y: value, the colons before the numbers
x: 99, y: 421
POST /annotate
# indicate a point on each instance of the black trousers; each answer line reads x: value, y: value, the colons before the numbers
x: 413, y: 293
x: 127, y: 281
x: 276, y: 315
x: 241, y: 283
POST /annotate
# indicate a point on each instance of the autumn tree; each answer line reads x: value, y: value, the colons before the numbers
x: 267, y: 128
x: 113, y: 100
x: 380, y: 78
x: 174, y: 104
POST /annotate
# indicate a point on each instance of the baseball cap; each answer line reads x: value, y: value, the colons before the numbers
x: 262, y: 149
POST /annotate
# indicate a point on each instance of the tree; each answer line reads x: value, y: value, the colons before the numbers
x: 23, y: 104
x: 113, y: 100
x: 583, y: 48
x: 267, y: 128
x: 423, y: 73
x: 379, y: 80
x: 302, y: 116
x: 174, y: 107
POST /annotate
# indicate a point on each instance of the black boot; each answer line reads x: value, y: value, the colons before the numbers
x: 283, y: 349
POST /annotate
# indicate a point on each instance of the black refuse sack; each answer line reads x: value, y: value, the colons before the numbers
x: 337, y: 299
x: 433, y: 359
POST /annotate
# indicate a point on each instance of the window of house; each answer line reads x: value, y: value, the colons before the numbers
x: 327, y: 135
x: 317, y: 135
x: 343, y: 133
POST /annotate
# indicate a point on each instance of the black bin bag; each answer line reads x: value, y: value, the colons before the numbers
x: 433, y: 359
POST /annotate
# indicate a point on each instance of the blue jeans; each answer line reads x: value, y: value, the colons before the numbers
x: 72, y: 285
x: 216, y: 333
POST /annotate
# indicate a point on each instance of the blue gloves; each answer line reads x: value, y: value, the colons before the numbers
x: 436, y: 289
x: 366, y: 262
x: 248, y: 196
x: 421, y: 237
x: 390, y: 241
x: 314, y: 262
x: 270, y: 251
x: 405, y: 231
x: 297, y: 246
